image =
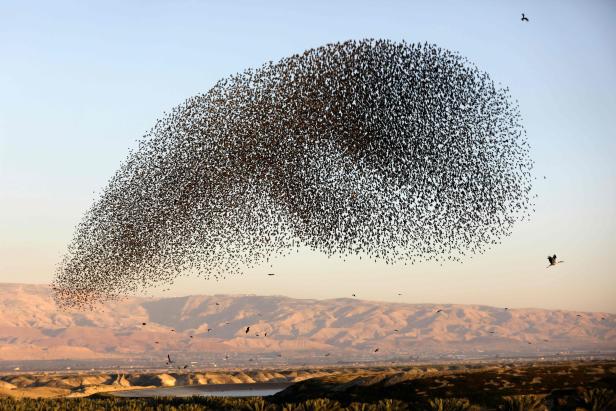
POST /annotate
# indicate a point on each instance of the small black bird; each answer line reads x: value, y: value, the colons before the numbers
x: 377, y: 350
x: 327, y: 355
x: 247, y: 329
x: 270, y: 274
x: 353, y: 295
x: 524, y: 18
x: 438, y: 311
x: 169, y: 358
x: 143, y: 323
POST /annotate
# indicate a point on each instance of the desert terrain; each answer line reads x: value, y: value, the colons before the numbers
x: 211, y: 331
x: 563, y: 385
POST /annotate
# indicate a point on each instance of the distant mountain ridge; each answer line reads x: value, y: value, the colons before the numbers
x: 32, y: 328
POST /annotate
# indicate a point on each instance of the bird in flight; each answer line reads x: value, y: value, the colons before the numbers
x: 327, y: 355
x: 524, y: 18
x: 353, y: 295
x: 553, y: 261
x: 169, y: 358
x: 439, y: 311
x: 270, y: 274
x: 247, y: 329
x: 143, y: 323
x: 396, y: 330
x: 377, y: 350
x: 191, y: 336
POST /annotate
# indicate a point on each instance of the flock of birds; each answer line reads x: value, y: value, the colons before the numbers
x: 391, y: 151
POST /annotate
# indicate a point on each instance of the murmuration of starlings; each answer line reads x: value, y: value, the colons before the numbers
x: 393, y: 151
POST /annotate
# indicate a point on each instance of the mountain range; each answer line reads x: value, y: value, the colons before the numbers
x: 33, y: 328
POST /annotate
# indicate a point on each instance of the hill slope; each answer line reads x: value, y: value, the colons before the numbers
x: 32, y: 328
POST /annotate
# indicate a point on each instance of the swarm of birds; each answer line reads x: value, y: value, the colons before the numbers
x: 395, y: 151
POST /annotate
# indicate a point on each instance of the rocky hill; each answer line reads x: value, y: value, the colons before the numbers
x: 32, y: 328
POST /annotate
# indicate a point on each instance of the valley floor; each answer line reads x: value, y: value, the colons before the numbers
x: 566, y: 385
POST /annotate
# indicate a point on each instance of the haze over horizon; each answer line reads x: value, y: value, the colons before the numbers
x: 82, y: 83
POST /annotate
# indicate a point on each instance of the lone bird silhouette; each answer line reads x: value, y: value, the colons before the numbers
x: 247, y: 329
x: 524, y: 18
x: 169, y: 358
x: 553, y: 261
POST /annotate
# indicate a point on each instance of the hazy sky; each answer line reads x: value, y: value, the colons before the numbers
x: 79, y: 84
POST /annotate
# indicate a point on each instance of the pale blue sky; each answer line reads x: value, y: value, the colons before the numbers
x: 80, y: 83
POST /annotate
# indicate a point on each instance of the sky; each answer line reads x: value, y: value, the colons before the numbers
x: 80, y: 83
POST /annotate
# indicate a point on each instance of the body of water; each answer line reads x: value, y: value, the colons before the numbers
x: 212, y: 390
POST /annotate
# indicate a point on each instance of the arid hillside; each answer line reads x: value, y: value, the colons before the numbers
x: 32, y: 328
